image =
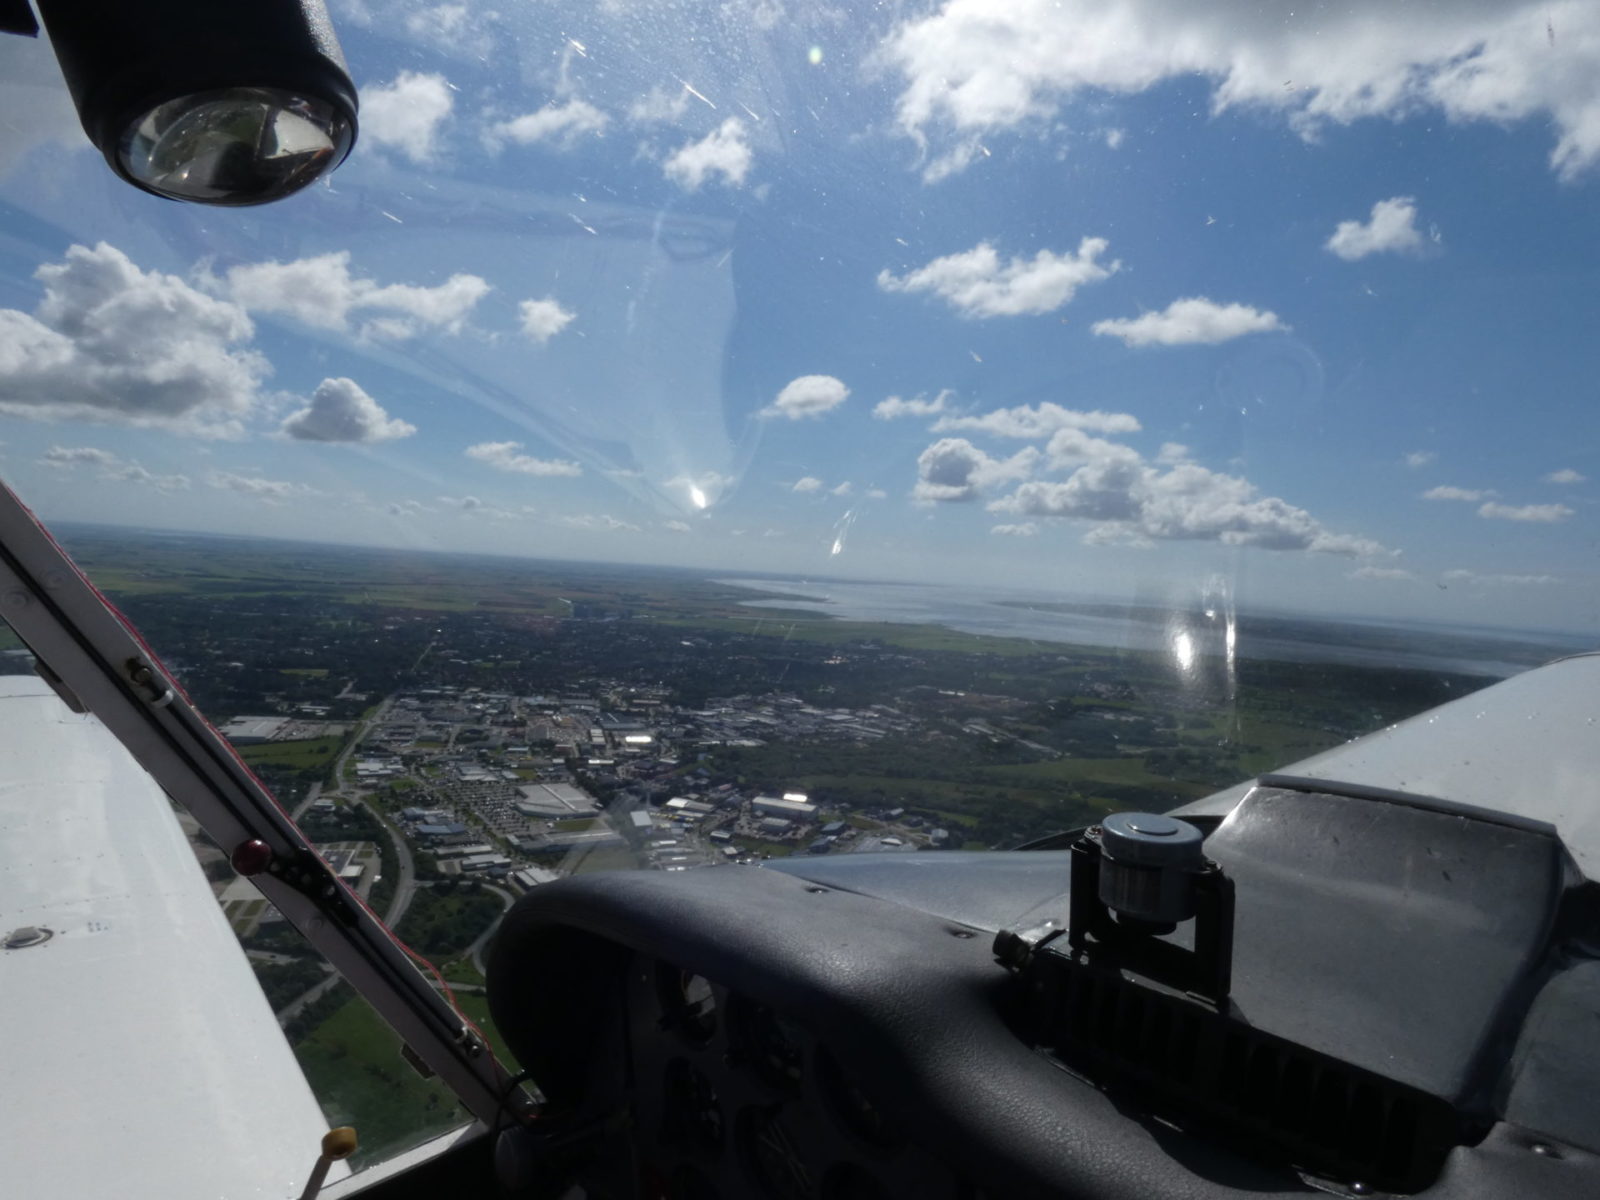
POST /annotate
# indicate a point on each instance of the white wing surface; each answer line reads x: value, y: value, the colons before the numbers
x: 1529, y: 746
x: 139, y: 1057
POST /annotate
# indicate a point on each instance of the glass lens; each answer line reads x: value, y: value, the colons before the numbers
x: 237, y: 146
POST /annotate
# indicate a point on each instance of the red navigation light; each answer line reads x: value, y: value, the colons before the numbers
x: 252, y: 857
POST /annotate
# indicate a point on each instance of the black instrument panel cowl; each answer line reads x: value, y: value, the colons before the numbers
x: 912, y: 1003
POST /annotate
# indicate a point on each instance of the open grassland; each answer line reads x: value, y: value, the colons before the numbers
x: 352, y: 1061
x: 241, y: 568
x: 308, y: 755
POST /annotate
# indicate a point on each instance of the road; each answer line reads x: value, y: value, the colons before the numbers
x: 406, y: 885
x: 292, y: 1009
x: 355, y: 739
x: 313, y: 794
x: 269, y: 956
x: 476, y: 950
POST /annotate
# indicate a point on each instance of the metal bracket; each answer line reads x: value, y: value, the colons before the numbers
x: 1205, y: 971
x: 308, y: 874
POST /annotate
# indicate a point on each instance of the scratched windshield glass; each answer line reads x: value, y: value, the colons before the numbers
x: 687, y: 434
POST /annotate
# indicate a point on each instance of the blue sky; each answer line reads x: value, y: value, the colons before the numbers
x: 1166, y: 296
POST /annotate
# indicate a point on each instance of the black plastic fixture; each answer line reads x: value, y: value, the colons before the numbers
x: 215, y: 103
x: 1135, y: 877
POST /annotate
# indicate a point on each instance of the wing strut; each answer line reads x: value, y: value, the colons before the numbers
x: 98, y: 663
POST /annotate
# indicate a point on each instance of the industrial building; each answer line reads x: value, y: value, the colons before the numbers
x: 556, y: 801
x: 679, y: 806
x: 252, y: 731
x: 793, y: 810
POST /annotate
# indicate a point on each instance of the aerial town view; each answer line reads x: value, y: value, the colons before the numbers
x: 454, y: 731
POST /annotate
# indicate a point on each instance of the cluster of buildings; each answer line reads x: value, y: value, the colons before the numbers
x: 455, y: 846
x: 751, y: 720
x: 507, y: 787
x: 254, y: 731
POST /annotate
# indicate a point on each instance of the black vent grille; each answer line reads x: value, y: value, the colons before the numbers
x: 1281, y: 1100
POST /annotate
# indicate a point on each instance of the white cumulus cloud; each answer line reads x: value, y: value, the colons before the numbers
x: 543, y: 319
x: 1127, y: 500
x: 1391, y: 228
x: 807, y: 396
x: 61, y: 457
x: 452, y: 28
x: 1494, y: 579
x: 112, y: 468
x: 406, y: 113
x: 953, y: 470
x: 1193, y: 320
x: 1038, y: 421
x: 1565, y: 475
x: 894, y: 406
x: 1544, y: 514
x: 597, y: 521
x: 660, y: 106
x: 1447, y: 492
x: 474, y: 508
x: 270, y: 491
x: 507, y: 456
x: 322, y: 291
x: 340, y: 411
x: 809, y: 483
x: 971, y: 68
x: 1417, y: 459
x: 561, y: 124
x: 134, y: 473
x: 109, y: 342
x: 977, y: 284
x: 1026, y: 529
x: 724, y: 151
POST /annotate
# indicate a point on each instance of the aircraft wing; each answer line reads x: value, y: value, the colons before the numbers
x: 140, y: 1058
x: 1528, y: 746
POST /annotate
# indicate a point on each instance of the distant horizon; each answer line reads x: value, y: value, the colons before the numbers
x: 711, y: 573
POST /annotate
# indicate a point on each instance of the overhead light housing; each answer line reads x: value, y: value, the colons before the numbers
x: 234, y: 103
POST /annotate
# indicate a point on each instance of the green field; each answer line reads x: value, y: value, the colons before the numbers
x: 761, y: 846
x: 814, y: 628
x: 418, y: 581
x: 440, y: 923
x: 306, y: 755
x: 352, y: 1061
x: 475, y: 1007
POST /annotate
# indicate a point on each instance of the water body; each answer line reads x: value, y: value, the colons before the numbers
x: 1185, y: 633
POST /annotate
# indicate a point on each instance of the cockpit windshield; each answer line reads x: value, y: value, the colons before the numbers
x: 695, y: 433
